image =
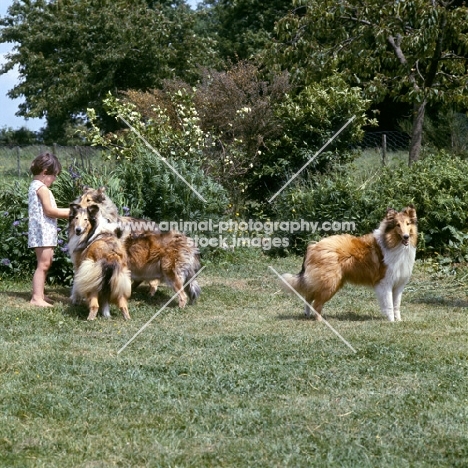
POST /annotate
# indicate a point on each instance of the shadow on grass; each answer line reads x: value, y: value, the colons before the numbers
x: 162, y: 295
x: 16, y: 296
x: 441, y: 301
x: 355, y: 317
x: 79, y: 311
x: 138, y: 298
x: 344, y: 317
x: 22, y: 298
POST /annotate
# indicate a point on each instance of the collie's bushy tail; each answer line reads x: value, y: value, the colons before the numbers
x: 88, y: 278
x: 191, y: 267
x: 109, y: 279
x: 120, y: 282
x: 294, y: 281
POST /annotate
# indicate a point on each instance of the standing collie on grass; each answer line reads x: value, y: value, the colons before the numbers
x: 383, y: 260
x: 100, y: 263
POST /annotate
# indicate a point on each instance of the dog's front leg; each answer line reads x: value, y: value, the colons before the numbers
x: 74, y: 297
x: 385, y: 298
x: 106, y: 310
x: 397, y: 293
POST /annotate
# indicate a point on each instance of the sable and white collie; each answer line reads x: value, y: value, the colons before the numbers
x: 383, y: 259
x: 100, y: 262
x: 108, y: 210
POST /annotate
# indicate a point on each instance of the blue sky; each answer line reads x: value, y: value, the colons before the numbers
x: 8, y: 107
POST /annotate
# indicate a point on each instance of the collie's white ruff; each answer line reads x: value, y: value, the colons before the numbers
x: 399, y: 261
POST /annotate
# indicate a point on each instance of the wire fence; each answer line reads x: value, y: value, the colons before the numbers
x: 390, y: 141
x: 16, y: 160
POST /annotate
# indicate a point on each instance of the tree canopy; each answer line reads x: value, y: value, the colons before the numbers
x: 71, y: 53
x: 414, y: 51
x: 244, y: 27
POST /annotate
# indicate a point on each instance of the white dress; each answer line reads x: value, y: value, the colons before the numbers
x: 42, y: 229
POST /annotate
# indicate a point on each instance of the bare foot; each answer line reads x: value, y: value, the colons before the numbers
x: 40, y: 303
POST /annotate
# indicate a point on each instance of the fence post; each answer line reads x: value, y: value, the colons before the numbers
x: 384, y: 149
x: 18, y: 161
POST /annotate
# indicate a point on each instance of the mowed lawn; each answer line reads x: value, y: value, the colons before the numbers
x: 241, y: 379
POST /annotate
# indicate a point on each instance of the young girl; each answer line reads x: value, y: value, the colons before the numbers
x: 43, y: 214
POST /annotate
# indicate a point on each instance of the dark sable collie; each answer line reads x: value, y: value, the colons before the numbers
x: 170, y: 257
x: 383, y: 259
x: 102, y: 276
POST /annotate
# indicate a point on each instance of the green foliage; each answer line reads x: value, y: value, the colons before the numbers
x: 21, y: 136
x: 242, y: 28
x: 364, y: 41
x: 436, y: 185
x: 265, y: 130
x: 71, y: 53
x: 182, y: 139
x: 246, y: 133
x: 157, y: 192
x: 154, y: 183
x: 411, y: 51
x: 310, y: 118
x: 447, y: 130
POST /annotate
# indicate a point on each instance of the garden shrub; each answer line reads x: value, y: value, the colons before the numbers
x: 152, y: 177
x: 437, y: 185
x: 16, y: 259
x: 154, y: 191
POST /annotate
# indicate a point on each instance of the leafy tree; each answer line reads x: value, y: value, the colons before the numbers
x: 242, y: 28
x: 20, y: 136
x: 71, y: 53
x: 414, y: 51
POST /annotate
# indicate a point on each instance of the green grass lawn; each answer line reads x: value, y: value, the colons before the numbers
x: 239, y: 379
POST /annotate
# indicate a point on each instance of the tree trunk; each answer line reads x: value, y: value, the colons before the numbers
x: 419, y: 110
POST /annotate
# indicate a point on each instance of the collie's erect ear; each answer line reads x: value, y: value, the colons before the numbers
x: 410, y: 211
x: 391, y: 213
x: 93, y: 210
x: 100, y: 195
x: 74, y: 207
